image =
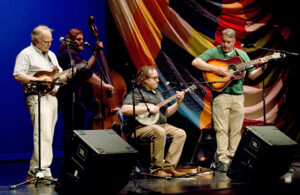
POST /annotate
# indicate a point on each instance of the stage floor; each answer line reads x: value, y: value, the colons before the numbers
x: 207, y: 183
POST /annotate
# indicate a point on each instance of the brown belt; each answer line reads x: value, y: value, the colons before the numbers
x: 53, y: 93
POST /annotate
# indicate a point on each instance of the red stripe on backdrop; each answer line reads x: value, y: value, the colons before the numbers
x: 232, y: 16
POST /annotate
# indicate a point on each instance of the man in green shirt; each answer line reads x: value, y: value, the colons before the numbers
x: 228, y: 104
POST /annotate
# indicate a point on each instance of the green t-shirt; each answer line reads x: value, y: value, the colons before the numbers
x: 236, y: 86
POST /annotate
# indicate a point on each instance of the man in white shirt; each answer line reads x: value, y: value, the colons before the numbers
x: 31, y: 60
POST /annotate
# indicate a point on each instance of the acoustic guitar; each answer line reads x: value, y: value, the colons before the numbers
x: 54, y: 74
x: 235, y: 67
x: 147, y: 118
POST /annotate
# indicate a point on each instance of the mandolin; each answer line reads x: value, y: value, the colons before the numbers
x: 54, y: 74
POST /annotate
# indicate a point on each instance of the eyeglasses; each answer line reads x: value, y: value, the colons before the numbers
x: 154, y: 78
x: 79, y: 39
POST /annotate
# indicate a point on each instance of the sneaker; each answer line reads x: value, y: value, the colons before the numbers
x: 223, y: 167
x: 214, y: 165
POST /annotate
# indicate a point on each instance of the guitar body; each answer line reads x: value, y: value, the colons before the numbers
x: 236, y: 69
x: 231, y: 66
x: 146, y: 118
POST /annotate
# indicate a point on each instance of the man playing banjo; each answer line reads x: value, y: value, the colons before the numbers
x: 147, y: 79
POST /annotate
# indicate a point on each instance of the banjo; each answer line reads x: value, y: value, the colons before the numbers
x: 147, y: 118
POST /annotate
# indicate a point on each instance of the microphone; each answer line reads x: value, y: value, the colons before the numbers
x: 248, y: 46
x: 89, y: 45
x: 169, y: 83
x: 68, y: 41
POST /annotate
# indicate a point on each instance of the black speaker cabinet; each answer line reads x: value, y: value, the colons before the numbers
x: 264, y: 154
x: 100, y: 163
x: 205, y: 149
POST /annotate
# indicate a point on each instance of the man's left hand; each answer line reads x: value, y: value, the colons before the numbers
x: 180, y: 96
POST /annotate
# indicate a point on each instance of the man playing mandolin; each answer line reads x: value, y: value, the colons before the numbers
x: 228, y: 103
x: 31, y: 61
x: 146, y: 93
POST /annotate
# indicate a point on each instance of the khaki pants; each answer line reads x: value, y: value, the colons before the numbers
x: 228, y: 116
x: 157, y: 134
x: 48, y: 121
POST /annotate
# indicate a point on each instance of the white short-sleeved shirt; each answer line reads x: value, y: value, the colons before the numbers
x: 31, y: 60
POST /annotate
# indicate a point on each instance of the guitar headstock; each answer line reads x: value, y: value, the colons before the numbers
x: 81, y: 66
x: 278, y: 55
x: 193, y: 87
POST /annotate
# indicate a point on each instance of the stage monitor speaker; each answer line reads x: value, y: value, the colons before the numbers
x: 264, y: 154
x: 205, y: 149
x: 100, y: 162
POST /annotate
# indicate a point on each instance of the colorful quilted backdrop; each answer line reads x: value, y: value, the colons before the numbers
x: 169, y: 34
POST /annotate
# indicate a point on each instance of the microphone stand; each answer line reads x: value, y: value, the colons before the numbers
x: 93, y: 49
x: 283, y: 53
x: 139, y: 169
x: 39, y: 176
x: 72, y: 64
x: 136, y: 86
x: 262, y: 66
x: 274, y: 50
x: 133, y: 83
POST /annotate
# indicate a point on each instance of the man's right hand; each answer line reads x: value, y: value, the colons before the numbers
x: 46, y: 78
x: 154, y: 109
x: 220, y: 71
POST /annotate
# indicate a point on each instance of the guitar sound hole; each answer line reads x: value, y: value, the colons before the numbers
x: 232, y: 68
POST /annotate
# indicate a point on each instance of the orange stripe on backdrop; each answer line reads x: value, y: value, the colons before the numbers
x: 150, y: 34
x: 205, y: 117
x: 138, y: 31
x: 142, y: 23
x: 176, y: 29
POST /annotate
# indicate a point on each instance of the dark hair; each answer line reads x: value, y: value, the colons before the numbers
x: 71, y: 35
x: 143, y: 74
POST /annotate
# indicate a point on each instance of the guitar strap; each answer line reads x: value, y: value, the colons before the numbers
x: 140, y: 92
x: 238, y: 53
x: 54, y: 66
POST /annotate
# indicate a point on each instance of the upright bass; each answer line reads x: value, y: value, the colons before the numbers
x: 109, y: 102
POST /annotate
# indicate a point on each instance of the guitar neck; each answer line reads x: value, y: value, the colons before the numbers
x: 252, y: 62
x: 56, y: 76
x: 161, y: 104
x: 76, y: 68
